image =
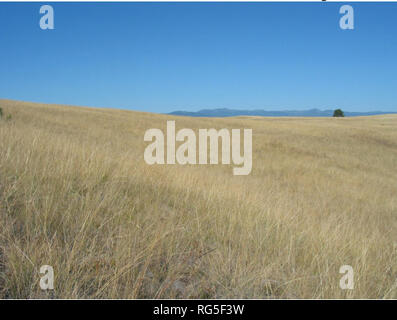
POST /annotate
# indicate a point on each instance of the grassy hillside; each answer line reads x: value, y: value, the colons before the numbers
x: 76, y: 194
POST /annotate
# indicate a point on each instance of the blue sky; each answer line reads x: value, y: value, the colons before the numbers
x: 161, y: 57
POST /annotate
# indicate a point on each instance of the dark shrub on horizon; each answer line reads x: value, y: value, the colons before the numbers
x: 338, y: 113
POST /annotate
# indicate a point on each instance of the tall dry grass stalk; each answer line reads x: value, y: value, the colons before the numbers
x: 76, y: 194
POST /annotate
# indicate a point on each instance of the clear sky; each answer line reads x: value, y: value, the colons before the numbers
x: 161, y: 57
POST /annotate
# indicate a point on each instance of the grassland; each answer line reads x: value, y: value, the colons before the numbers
x: 76, y: 194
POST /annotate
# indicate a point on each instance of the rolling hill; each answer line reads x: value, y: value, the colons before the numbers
x: 76, y: 194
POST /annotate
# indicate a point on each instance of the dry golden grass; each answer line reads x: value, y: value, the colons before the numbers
x: 76, y: 194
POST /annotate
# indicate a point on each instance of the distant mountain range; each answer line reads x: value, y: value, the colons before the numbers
x: 287, y: 113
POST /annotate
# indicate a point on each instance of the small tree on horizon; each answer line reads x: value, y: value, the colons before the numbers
x: 338, y: 113
x: 1, y: 112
